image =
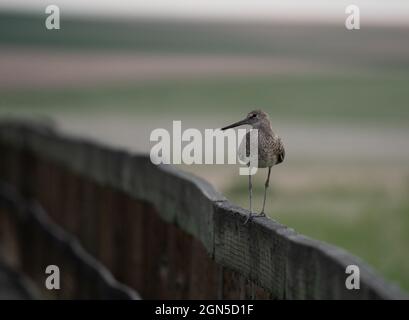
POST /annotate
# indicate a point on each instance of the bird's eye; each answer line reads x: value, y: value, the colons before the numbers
x: 253, y: 115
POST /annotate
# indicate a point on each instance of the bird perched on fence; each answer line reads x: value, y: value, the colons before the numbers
x: 270, y: 149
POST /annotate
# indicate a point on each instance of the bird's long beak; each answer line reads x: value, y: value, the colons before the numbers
x: 236, y: 124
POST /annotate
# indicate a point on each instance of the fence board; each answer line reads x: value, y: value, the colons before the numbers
x: 184, y: 229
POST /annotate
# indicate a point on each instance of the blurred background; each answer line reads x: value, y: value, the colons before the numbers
x: 116, y: 70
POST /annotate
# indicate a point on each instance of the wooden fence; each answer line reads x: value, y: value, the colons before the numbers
x: 151, y: 230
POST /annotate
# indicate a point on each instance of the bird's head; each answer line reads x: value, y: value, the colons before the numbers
x: 256, y: 119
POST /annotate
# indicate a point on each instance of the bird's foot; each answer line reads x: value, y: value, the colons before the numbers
x: 259, y: 215
x: 251, y: 216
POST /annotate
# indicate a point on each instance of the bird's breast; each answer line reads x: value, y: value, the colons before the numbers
x: 270, y: 150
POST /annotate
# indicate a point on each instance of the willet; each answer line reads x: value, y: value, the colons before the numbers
x: 270, y: 149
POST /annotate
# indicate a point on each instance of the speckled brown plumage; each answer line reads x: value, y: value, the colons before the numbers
x: 270, y: 148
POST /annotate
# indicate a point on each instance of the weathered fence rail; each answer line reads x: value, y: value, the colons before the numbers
x: 168, y: 234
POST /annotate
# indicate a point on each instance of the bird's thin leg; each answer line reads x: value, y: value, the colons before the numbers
x: 262, y: 214
x: 250, y: 198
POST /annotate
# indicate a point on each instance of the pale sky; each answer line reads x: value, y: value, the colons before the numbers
x: 372, y: 11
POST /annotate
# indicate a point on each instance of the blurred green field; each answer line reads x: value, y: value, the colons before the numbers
x: 355, y: 202
x: 368, y: 98
x: 376, y: 47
